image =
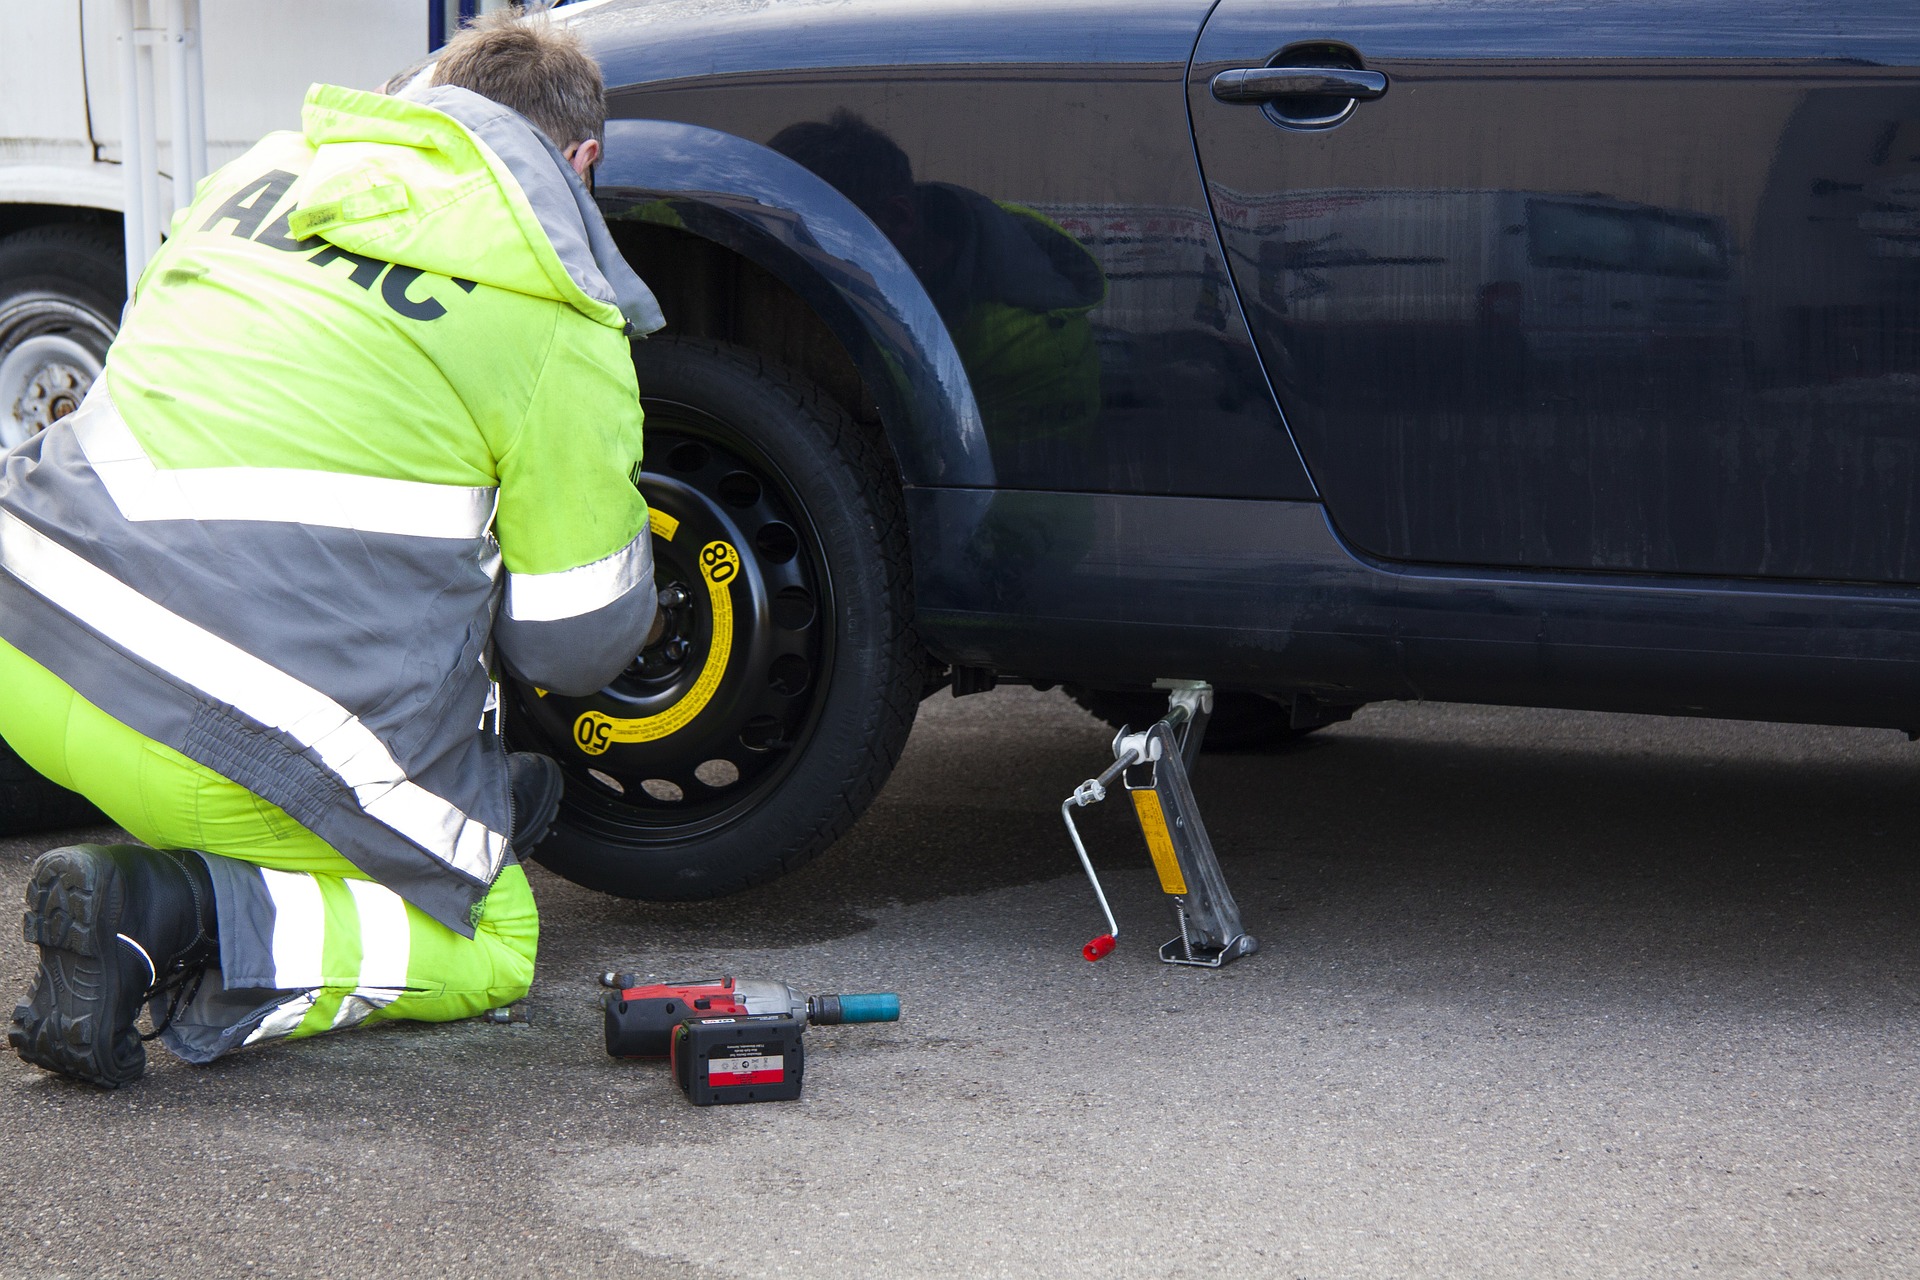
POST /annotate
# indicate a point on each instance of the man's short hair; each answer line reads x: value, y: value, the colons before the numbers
x: 533, y: 65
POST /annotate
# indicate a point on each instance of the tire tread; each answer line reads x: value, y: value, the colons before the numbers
x: 75, y: 253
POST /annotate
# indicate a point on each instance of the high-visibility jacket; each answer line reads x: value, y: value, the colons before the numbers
x: 375, y: 390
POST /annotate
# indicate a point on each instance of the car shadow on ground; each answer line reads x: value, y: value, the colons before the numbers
x: 1436, y: 846
x: 1439, y: 846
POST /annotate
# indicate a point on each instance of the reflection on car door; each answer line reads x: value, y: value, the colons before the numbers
x: 1621, y: 286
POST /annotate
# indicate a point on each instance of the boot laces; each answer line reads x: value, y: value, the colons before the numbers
x: 188, y: 967
x: 180, y: 989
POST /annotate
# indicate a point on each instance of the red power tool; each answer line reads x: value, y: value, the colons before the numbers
x: 730, y: 1039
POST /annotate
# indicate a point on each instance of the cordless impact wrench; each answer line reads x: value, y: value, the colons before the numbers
x: 728, y: 1039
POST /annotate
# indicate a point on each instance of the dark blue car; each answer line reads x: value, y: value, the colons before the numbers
x: 1535, y: 353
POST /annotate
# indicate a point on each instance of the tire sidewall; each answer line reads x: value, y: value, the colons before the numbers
x: 864, y: 659
x: 78, y: 264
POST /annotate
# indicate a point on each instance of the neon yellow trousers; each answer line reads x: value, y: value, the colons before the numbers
x: 361, y: 954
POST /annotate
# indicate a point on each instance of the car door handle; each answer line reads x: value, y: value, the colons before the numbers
x: 1263, y: 84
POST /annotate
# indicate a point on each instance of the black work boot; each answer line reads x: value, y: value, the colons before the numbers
x: 537, y: 784
x: 115, y: 924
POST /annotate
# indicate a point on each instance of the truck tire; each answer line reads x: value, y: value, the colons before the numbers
x: 28, y: 802
x: 760, y: 725
x: 61, y: 291
x: 1240, y: 721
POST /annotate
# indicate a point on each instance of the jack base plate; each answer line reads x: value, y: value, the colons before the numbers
x: 1180, y: 951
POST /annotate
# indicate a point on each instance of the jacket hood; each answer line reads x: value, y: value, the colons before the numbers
x: 445, y: 180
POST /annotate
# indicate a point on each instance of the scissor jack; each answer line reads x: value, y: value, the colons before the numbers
x: 1153, y: 766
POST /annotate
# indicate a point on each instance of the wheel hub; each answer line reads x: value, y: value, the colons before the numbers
x: 662, y: 662
x: 51, y: 350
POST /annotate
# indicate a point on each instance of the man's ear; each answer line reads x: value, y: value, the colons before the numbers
x: 583, y: 155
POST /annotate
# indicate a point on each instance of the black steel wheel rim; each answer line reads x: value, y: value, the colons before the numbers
x: 708, y: 720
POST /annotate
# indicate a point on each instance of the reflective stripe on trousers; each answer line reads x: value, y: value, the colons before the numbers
x: 336, y: 953
x: 304, y: 953
x: 342, y: 944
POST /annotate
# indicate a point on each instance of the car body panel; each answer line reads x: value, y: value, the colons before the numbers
x: 1102, y: 588
x: 1135, y: 375
x: 1605, y: 286
x: 659, y: 42
x: 1182, y: 540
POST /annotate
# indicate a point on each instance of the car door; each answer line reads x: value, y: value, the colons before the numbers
x: 1615, y: 285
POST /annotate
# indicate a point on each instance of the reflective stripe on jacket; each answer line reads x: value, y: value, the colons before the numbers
x: 379, y: 366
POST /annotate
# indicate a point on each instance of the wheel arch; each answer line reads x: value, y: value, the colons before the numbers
x: 740, y: 242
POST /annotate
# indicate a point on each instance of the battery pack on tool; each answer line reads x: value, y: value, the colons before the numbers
x: 739, y: 1058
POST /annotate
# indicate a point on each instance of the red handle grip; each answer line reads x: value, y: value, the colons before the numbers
x: 1099, y: 949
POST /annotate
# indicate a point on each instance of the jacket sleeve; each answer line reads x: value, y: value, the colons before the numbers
x: 572, y: 527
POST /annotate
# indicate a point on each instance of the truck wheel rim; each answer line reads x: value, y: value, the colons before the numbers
x: 51, y: 350
x: 706, y: 721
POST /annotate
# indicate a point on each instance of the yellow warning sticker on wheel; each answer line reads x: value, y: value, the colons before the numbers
x: 662, y: 524
x: 595, y: 731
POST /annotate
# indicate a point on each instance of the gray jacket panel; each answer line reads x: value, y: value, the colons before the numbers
x: 387, y: 628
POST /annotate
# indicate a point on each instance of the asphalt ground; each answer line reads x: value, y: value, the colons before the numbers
x: 1541, y: 994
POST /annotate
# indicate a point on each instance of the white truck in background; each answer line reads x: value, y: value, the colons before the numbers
x: 67, y: 243
x: 67, y: 221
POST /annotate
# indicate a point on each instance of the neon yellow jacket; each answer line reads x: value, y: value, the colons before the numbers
x: 378, y: 362
x: 524, y: 383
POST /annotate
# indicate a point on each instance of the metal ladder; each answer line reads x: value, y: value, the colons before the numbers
x: 1153, y: 766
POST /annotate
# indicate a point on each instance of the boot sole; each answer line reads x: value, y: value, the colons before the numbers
x: 66, y: 1022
